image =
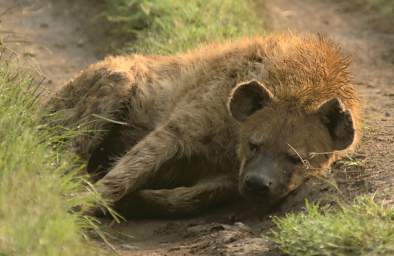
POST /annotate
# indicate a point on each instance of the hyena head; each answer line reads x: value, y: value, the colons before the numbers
x: 281, y: 143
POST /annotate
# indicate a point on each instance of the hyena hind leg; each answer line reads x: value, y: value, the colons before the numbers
x: 180, y: 201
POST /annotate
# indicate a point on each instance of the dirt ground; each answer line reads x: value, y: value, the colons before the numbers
x: 56, y: 41
x: 49, y: 37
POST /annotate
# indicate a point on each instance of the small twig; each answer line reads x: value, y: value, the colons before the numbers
x: 304, y: 162
x: 313, y: 154
x: 111, y: 120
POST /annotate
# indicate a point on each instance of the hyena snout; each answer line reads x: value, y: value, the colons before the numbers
x: 258, y: 184
x: 263, y: 181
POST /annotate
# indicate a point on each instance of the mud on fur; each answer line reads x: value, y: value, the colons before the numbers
x: 179, y: 134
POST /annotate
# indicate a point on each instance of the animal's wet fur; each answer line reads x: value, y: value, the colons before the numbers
x: 174, y: 126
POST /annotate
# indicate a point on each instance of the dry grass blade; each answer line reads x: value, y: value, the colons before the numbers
x: 110, y: 120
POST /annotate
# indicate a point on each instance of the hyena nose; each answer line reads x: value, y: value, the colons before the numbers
x: 257, y: 184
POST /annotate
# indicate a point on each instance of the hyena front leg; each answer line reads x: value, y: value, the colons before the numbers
x: 138, y: 165
x: 207, y: 193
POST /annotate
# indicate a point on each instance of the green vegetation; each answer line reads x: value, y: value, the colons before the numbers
x: 362, y: 228
x: 350, y: 161
x: 169, y: 26
x: 38, y: 188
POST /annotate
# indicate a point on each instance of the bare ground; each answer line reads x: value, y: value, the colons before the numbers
x: 48, y: 38
x: 58, y: 43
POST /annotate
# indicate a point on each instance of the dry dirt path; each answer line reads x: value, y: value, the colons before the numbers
x: 53, y: 39
x: 46, y: 38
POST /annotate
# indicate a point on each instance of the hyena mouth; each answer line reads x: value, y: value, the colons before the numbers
x: 262, y: 196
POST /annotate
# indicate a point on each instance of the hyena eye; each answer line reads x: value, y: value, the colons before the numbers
x: 294, y: 159
x: 253, y: 147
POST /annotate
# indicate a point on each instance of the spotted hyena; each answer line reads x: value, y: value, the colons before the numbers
x: 181, y: 133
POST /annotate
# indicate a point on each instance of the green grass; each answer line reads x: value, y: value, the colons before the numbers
x: 38, y: 188
x: 362, y: 228
x: 170, y: 26
x: 350, y: 161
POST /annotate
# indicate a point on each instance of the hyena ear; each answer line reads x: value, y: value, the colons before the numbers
x: 339, y: 123
x: 246, y: 98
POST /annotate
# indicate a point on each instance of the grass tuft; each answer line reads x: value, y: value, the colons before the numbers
x: 39, y: 187
x: 170, y: 26
x: 362, y: 228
